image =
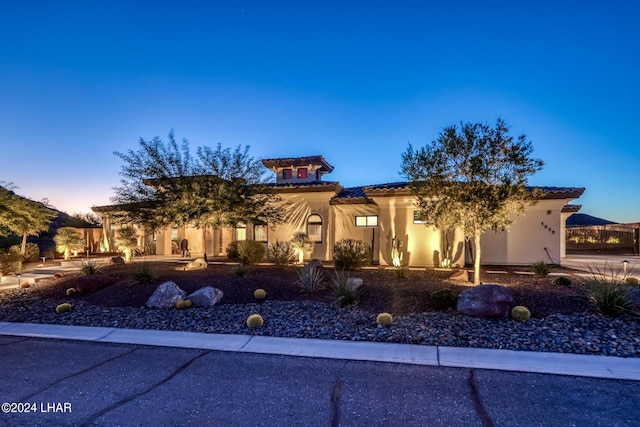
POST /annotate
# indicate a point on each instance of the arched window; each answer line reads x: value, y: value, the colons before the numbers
x: 314, y: 228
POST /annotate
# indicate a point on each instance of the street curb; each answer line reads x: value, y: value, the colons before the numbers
x: 609, y: 367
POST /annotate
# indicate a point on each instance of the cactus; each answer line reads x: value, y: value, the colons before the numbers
x: 259, y: 294
x: 520, y: 313
x: 187, y: 303
x: 442, y: 299
x: 71, y: 291
x: 384, y: 319
x: 179, y: 304
x: 63, y: 308
x: 254, y: 321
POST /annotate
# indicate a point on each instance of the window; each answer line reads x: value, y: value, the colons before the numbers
x: 366, y: 220
x: 241, y: 232
x: 314, y: 228
x: 287, y: 174
x: 418, y: 217
x: 174, y: 232
x: 302, y: 172
x: 260, y: 233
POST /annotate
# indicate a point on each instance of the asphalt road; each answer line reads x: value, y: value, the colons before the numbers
x: 82, y: 383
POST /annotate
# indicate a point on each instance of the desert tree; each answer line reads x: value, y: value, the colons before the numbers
x: 473, y: 177
x: 163, y: 184
x: 68, y: 240
x: 22, y: 216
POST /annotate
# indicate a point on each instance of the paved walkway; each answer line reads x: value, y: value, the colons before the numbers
x: 506, y: 360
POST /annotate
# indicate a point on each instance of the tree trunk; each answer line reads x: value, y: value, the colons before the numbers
x: 23, y: 248
x: 476, y: 261
x: 67, y: 253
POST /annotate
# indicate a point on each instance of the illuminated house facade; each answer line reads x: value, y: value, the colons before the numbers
x: 376, y: 214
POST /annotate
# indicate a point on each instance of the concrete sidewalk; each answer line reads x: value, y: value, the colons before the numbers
x: 506, y: 360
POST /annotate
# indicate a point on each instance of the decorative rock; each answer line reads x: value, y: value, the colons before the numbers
x: 117, y: 260
x: 354, y: 282
x: 486, y: 301
x: 462, y: 275
x: 165, y: 296
x: 206, y: 297
x: 197, y: 264
x: 94, y: 282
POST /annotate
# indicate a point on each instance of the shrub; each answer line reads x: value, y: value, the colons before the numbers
x: 250, y: 251
x: 442, y: 299
x: 143, y: 273
x: 302, y: 245
x: 259, y: 294
x: 89, y: 267
x: 384, y: 319
x: 541, y: 268
x: 11, y: 261
x: 631, y: 281
x: 232, y: 250
x: 240, y: 270
x: 63, y: 308
x: 350, y: 254
x: 609, y: 291
x: 520, y: 313
x: 68, y: 240
x: 32, y: 253
x: 254, y: 321
x: 281, y: 254
x: 562, y: 281
x: 345, y: 293
x: 310, y: 278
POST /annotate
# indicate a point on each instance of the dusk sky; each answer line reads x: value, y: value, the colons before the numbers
x: 355, y: 83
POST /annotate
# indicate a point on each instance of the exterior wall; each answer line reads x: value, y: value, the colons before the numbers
x: 540, y: 228
x: 299, y: 207
x: 163, y: 241
x: 345, y: 226
x: 421, y: 243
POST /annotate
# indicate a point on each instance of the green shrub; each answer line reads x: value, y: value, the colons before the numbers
x: 281, y: 253
x: 63, y: 308
x: 612, y: 299
x: 541, y: 268
x: 89, y: 267
x: 254, y: 321
x: 562, y: 281
x: 310, y: 278
x: 344, y: 292
x: 232, y: 250
x: 631, y: 281
x: 240, y: 270
x: 143, y: 273
x: 384, y: 319
x: 520, y: 313
x: 259, y: 294
x: 11, y: 261
x: 442, y: 299
x: 250, y: 252
x: 350, y: 254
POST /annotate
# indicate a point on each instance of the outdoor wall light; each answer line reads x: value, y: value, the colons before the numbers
x: 18, y: 279
x: 624, y: 263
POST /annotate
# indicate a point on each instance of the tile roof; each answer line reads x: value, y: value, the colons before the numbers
x: 298, y: 161
x: 309, y: 186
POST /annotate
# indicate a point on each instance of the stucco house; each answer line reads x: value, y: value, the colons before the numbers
x: 375, y: 214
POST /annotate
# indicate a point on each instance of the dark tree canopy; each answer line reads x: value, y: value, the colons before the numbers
x: 473, y: 177
x: 163, y: 184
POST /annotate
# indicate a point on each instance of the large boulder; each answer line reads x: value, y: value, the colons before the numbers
x: 94, y: 282
x: 486, y: 301
x: 196, y: 264
x: 165, y: 296
x: 205, y: 297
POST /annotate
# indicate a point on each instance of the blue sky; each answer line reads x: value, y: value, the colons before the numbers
x: 355, y: 83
